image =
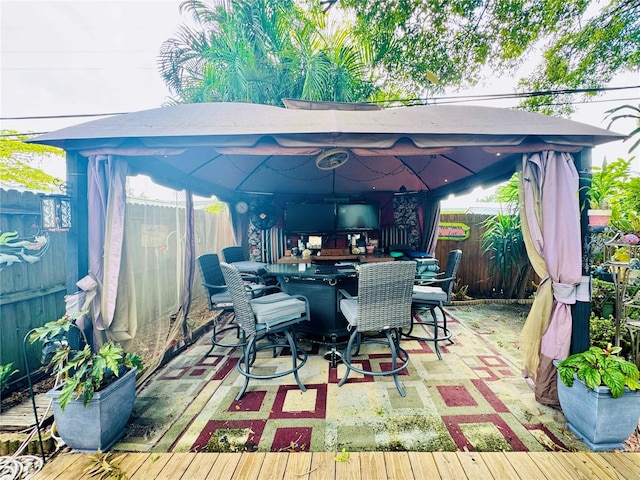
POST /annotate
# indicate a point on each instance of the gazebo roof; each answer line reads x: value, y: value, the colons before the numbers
x: 232, y: 149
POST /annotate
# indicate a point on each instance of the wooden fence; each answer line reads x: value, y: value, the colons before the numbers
x: 30, y: 293
x: 474, y: 268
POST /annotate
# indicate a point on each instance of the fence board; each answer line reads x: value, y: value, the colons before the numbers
x: 30, y: 293
x: 474, y: 268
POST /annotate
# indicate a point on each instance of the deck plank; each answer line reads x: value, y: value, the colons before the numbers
x: 622, y: 464
x: 398, y: 466
x: 57, y: 467
x: 323, y: 466
x: 130, y: 462
x: 526, y: 466
x: 225, y: 466
x: 633, y: 458
x: 175, y: 467
x: 473, y: 465
x: 273, y: 466
x: 372, y: 466
x: 349, y: 470
x: 298, y: 466
x: 423, y: 465
x: 151, y: 467
x: 449, y: 466
x: 591, y: 465
x: 249, y: 465
x: 200, y: 467
x: 499, y: 465
x: 552, y: 465
x: 21, y: 417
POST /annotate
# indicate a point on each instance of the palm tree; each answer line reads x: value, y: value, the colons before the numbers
x: 262, y: 51
x: 628, y: 111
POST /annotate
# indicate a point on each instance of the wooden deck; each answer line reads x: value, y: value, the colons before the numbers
x: 360, y: 465
x: 21, y: 416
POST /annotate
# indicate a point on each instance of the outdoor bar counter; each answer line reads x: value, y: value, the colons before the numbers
x: 320, y: 284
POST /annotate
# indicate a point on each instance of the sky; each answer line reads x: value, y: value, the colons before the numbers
x: 79, y: 57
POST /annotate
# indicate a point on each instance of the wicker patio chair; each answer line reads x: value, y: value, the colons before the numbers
x: 383, y: 305
x: 218, y: 296
x: 433, y: 295
x: 268, y: 317
x: 233, y: 254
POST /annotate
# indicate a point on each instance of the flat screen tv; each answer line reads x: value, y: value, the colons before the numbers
x: 360, y: 216
x: 310, y: 217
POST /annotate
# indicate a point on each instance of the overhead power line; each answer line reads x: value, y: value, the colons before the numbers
x: 54, y: 117
x: 507, y: 96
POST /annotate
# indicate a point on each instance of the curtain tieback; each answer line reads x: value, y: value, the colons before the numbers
x: 583, y: 289
x: 564, y: 293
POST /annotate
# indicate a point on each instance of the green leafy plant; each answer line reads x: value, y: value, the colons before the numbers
x: 602, y: 298
x: 502, y: 240
x: 600, y: 367
x: 626, y: 212
x: 83, y: 371
x: 6, y: 372
x: 606, y: 182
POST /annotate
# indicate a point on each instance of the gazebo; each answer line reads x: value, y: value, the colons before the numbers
x: 260, y: 156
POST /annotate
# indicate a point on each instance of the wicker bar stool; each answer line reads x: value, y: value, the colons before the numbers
x: 219, y: 298
x: 383, y: 306
x: 269, y: 317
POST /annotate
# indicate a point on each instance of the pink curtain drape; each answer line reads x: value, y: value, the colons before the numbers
x: 551, y: 228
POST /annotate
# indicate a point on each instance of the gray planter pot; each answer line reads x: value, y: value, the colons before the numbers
x: 602, y: 422
x: 100, y: 424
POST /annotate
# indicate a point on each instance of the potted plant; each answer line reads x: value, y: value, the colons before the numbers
x: 605, y: 184
x: 599, y: 394
x: 94, y: 401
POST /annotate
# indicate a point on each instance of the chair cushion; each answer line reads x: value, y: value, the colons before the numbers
x: 222, y: 297
x: 272, y: 314
x: 424, y: 293
x: 270, y: 298
x: 349, y: 308
x: 248, y: 266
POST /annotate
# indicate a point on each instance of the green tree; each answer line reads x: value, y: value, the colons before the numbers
x: 459, y: 40
x: 262, y: 51
x: 586, y: 53
x: 17, y: 162
x: 626, y: 200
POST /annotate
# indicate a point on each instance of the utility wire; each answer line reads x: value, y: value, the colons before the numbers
x: 49, y: 117
x: 507, y: 96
